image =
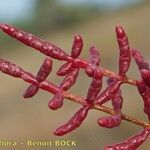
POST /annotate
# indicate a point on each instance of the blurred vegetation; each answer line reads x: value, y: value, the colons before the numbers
x: 50, y: 16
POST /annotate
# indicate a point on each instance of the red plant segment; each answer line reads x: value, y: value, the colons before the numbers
x: 69, y: 80
x: 76, y: 51
x: 33, y: 41
x: 110, y: 121
x: 117, y: 100
x: 56, y: 102
x: 10, y: 68
x: 131, y: 143
x: 73, y: 123
x: 146, y: 76
x: 65, y: 69
x: 93, y: 90
x: 125, y: 54
x: 139, y: 59
x: 108, y: 93
x: 77, y: 46
x: 45, y: 70
x: 31, y: 91
x: 41, y: 76
x: 94, y: 56
x: 96, y: 83
x: 114, y: 120
x: 145, y: 93
x: 95, y: 98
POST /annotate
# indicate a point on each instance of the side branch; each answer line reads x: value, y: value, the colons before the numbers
x: 105, y: 109
x: 83, y: 64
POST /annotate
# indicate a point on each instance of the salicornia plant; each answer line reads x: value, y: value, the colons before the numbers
x: 95, y: 97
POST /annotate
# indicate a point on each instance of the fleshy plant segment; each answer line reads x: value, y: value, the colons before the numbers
x: 95, y: 98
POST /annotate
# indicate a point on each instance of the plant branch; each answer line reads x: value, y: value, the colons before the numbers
x: 50, y: 87
x: 105, y: 109
x: 82, y: 63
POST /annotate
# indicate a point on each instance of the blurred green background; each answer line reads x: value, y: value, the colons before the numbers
x: 57, y: 21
